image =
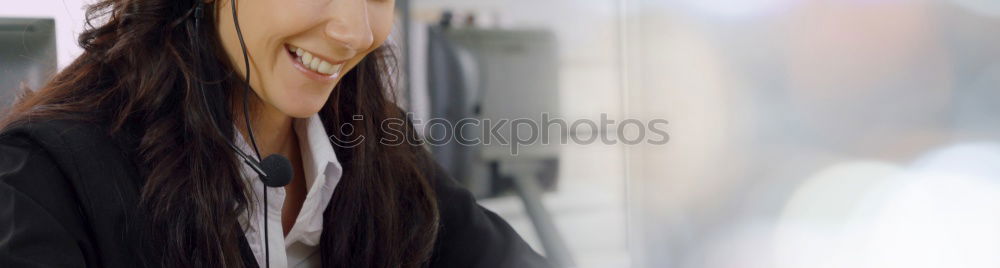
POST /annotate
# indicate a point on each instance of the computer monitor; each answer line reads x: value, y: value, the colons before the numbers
x: 27, y: 55
x: 518, y: 74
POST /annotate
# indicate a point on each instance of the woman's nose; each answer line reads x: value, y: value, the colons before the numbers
x: 349, y: 25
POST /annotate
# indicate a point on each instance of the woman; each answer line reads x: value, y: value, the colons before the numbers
x: 142, y: 153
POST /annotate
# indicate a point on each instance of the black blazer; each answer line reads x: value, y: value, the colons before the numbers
x: 66, y: 188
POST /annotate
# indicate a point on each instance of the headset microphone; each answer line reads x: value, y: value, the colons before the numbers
x: 278, y: 170
x: 274, y: 171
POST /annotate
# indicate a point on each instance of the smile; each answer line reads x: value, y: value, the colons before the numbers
x: 313, y: 63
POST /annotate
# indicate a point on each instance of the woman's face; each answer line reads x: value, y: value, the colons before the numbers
x: 299, y: 49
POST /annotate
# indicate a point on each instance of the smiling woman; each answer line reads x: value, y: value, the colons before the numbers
x: 134, y: 154
x: 339, y: 33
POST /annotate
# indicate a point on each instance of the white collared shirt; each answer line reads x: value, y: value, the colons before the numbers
x: 322, y: 173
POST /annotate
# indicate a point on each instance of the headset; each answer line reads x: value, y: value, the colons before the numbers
x: 274, y: 170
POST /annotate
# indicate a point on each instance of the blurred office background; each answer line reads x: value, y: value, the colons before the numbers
x: 847, y: 133
x: 803, y: 133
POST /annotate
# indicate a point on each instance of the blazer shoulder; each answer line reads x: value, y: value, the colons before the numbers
x: 79, y: 153
x: 92, y: 163
x: 69, y: 142
x: 46, y: 209
x: 50, y: 132
x: 24, y: 161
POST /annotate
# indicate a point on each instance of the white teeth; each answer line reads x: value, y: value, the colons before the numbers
x: 314, y: 63
x: 306, y: 58
x: 324, y: 67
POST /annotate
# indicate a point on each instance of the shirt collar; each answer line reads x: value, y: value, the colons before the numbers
x: 318, y: 156
x: 322, y: 172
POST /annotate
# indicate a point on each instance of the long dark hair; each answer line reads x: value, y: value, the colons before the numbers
x: 137, y: 75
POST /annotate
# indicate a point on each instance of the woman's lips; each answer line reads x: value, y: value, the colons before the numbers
x: 313, y: 66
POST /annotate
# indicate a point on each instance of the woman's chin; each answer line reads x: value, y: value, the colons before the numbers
x: 298, y: 100
x: 302, y: 109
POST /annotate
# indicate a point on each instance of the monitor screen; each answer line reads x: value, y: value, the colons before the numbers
x: 27, y: 55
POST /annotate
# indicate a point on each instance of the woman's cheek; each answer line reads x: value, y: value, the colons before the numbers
x: 381, y: 19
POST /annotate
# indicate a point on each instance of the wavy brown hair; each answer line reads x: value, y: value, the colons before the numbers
x: 139, y: 73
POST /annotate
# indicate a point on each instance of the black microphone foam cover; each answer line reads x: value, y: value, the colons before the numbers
x: 278, y: 170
